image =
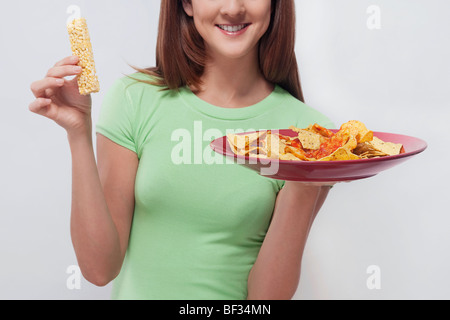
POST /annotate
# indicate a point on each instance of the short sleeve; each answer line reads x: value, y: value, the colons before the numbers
x: 116, y: 119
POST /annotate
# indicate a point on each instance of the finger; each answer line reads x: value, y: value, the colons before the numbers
x: 49, y: 93
x: 70, y: 60
x: 64, y: 71
x: 38, y: 87
x: 40, y: 105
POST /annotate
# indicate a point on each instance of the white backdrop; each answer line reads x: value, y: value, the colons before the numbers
x: 384, y: 62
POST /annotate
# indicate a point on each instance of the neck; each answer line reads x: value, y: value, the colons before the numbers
x: 234, y: 83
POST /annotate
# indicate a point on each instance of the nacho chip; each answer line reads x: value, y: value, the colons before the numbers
x: 340, y: 154
x: 309, y: 139
x: 388, y: 148
x: 351, y: 143
x: 242, y: 143
x: 366, y: 151
x: 299, y: 154
x: 359, y: 130
x: 324, y: 132
x: 257, y: 152
x: 363, y: 147
x: 372, y: 154
x: 273, y: 145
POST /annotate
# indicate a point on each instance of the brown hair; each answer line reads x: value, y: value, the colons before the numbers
x: 181, y: 56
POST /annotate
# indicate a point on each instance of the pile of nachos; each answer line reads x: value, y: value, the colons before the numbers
x: 353, y: 141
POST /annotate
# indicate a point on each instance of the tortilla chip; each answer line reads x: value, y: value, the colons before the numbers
x: 340, y: 154
x: 323, y: 132
x: 242, y: 143
x: 372, y: 154
x: 388, y: 148
x: 351, y: 143
x: 297, y: 154
x: 257, y: 152
x: 309, y: 139
x: 359, y: 130
x: 288, y: 156
x: 363, y: 147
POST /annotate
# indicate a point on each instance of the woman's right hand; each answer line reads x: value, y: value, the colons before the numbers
x: 59, y: 99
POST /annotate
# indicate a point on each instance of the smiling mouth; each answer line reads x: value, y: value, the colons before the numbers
x: 233, y: 28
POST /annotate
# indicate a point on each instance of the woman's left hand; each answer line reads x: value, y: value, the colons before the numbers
x: 276, y: 272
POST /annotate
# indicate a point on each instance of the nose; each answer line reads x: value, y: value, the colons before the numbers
x: 233, y: 8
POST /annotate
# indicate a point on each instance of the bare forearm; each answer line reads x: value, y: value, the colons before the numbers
x: 94, y: 235
x: 276, y: 272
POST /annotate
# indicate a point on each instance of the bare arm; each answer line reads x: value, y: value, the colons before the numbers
x: 103, y: 194
x: 276, y: 272
x: 102, y: 206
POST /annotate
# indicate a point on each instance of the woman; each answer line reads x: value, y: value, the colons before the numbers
x: 159, y: 212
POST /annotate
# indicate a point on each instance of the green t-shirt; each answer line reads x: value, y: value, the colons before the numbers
x: 199, y: 220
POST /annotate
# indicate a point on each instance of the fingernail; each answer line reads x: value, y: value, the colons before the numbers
x: 77, y: 69
x: 59, y: 81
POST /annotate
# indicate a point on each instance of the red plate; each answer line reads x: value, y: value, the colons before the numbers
x: 327, y: 170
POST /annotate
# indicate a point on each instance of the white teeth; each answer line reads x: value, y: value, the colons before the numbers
x: 235, y: 28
